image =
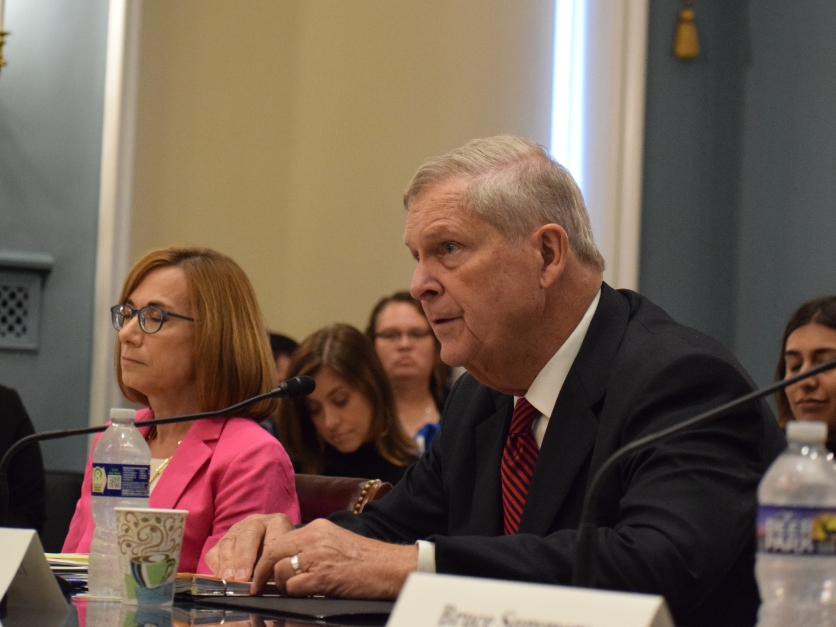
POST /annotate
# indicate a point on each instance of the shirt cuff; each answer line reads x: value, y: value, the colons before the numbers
x: 426, y: 556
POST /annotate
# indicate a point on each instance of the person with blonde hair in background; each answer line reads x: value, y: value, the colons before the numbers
x: 409, y: 352
x: 191, y: 338
x: 347, y: 427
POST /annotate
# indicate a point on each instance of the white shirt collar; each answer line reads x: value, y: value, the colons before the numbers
x: 547, y: 384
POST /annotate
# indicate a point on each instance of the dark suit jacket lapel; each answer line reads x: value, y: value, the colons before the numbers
x: 487, y: 487
x: 573, y: 425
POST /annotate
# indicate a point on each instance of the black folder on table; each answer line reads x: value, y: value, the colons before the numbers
x: 317, y: 608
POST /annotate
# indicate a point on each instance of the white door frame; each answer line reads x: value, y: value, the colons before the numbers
x: 113, y: 239
x: 598, y: 127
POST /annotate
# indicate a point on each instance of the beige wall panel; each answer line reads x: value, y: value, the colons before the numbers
x: 283, y: 133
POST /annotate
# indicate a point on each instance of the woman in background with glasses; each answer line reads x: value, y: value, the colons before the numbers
x: 409, y: 352
x: 191, y: 339
x: 347, y: 427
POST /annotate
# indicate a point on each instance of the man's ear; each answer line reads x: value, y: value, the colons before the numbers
x: 553, y: 247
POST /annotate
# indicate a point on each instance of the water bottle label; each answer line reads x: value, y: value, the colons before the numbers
x: 121, y: 480
x: 796, y: 530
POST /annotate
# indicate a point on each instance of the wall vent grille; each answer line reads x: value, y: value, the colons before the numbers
x: 20, y: 297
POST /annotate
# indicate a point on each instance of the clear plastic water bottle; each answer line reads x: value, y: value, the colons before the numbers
x: 796, y: 532
x: 121, y: 465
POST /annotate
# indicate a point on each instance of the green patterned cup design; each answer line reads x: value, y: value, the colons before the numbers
x: 149, y: 542
x: 152, y: 571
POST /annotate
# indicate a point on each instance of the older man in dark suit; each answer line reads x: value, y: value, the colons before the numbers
x: 562, y: 372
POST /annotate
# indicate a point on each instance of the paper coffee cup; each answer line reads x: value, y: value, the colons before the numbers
x: 150, y: 541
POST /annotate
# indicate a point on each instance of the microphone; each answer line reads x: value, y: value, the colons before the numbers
x: 586, y: 543
x: 297, y: 387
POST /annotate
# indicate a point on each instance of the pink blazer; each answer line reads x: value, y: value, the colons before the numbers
x: 224, y: 470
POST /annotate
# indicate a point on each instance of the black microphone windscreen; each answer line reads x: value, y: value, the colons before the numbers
x: 297, y: 387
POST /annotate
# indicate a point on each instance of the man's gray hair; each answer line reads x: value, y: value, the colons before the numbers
x: 516, y: 186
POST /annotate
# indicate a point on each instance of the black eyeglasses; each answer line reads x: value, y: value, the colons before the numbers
x: 395, y: 335
x: 151, y: 318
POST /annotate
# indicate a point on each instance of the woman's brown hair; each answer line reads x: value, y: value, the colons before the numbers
x: 232, y: 355
x: 348, y: 353
x: 821, y: 311
x: 441, y: 374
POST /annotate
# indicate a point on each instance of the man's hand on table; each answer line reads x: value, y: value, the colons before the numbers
x: 332, y: 560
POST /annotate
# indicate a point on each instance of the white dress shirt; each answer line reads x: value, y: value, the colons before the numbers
x: 542, y: 395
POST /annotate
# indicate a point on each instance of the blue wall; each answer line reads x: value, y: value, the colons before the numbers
x: 740, y: 148
x: 51, y: 108
x: 691, y: 168
x: 788, y: 182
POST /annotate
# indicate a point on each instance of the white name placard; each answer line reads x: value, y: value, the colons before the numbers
x: 449, y: 601
x: 25, y: 577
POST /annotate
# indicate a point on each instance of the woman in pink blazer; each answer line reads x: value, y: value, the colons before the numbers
x: 192, y: 339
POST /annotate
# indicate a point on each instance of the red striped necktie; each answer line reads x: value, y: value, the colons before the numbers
x: 518, y: 461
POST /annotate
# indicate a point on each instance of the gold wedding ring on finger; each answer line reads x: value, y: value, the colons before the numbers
x: 294, y: 564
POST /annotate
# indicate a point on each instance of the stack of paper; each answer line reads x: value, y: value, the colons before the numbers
x: 72, y: 567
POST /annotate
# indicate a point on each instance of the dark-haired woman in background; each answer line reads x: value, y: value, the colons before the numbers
x: 410, y: 354
x: 348, y: 426
x: 809, y: 340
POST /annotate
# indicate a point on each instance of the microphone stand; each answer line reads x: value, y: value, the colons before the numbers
x: 586, y: 543
x: 296, y: 387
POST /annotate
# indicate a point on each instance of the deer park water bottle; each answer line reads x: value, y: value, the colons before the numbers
x: 121, y: 464
x: 796, y: 532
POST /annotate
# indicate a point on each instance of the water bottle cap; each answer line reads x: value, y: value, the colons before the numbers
x: 809, y: 432
x: 121, y: 414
